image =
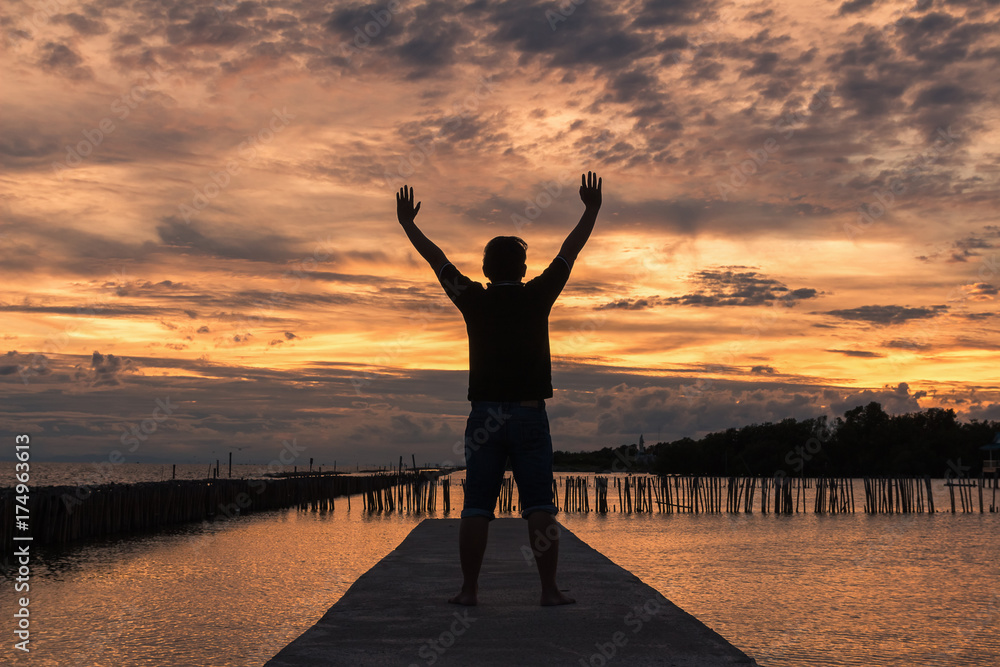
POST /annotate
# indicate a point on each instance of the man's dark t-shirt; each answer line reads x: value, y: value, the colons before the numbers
x: 508, y: 325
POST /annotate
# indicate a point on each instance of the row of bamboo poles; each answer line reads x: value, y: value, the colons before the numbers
x: 65, y: 513
x: 414, y: 493
x: 779, y: 495
x: 965, y: 486
x: 898, y: 495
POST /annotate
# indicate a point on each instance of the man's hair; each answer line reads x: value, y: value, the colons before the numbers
x: 503, y: 258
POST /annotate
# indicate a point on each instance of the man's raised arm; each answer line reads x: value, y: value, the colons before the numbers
x: 405, y: 213
x: 590, y: 194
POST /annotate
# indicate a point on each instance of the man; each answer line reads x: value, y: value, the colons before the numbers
x: 510, y: 376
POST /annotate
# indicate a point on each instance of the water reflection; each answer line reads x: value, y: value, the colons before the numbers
x: 847, y: 589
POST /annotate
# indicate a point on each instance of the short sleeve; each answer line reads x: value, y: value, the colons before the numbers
x: 456, y: 285
x: 552, y: 280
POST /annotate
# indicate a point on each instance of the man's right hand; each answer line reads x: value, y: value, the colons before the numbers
x: 405, y: 211
x: 590, y: 191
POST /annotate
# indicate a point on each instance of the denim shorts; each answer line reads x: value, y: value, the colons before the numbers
x: 498, y: 431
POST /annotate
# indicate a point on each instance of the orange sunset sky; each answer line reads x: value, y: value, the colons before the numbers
x: 800, y: 216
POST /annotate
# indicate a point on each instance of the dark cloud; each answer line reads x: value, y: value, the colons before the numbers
x: 61, y: 59
x: 731, y: 286
x: 727, y: 286
x: 763, y: 63
x: 90, y: 310
x: 630, y: 304
x: 179, y: 236
x: 873, y: 96
x: 105, y: 370
x: 594, y: 35
x: 886, y: 315
x: 872, y: 49
x: 855, y: 6
x: 945, y: 94
x: 672, y: 13
x: 857, y: 353
x: 433, y: 41
x: 894, y: 400
x: 905, y: 344
x: 204, y: 26
x: 763, y: 370
x: 81, y: 24
x: 712, y: 216
x: 983, y: 289
x: 965, y: 248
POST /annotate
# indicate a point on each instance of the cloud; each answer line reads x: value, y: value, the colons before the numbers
x: 968, y: 247
x: 180, y: 236
x: 905, y: 344
x: 894, y: 400
x: 81, y: 24
x: 855, y: 6
x: 105, y: 370
x: 726, y: 286
x: 61, y: 59
x: 630, y: 304
x: 857, y: 353
x: 887, y: 315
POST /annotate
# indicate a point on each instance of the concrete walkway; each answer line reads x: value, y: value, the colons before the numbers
x: 397, y: 612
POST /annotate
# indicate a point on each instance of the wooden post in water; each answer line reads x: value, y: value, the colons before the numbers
x: 996, y: 477
x: 951, y: 491
x: 230, y: 465
x: 982, y: 478
x: 174, y: 476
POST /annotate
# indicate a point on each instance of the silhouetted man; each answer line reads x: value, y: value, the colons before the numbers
x: 510, y: 376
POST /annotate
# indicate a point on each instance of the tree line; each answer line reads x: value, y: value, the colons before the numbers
x: 866, y: 441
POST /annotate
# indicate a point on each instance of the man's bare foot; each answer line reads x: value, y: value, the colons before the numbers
x: 556, y: 598
x: 468, y: 599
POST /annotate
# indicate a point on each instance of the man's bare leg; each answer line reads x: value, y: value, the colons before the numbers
x: 543, y: 535
x: 472, y: 535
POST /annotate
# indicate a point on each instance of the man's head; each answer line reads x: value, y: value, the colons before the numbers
x: 503, y: 259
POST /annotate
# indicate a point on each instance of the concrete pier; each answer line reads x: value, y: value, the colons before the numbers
x: 397, y: 613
